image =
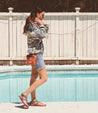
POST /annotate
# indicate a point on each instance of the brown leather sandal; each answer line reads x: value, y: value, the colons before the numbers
x: 36, y: 103
x: 23, y: 98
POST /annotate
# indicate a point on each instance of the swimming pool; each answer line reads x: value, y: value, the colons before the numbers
x: 69, y: 83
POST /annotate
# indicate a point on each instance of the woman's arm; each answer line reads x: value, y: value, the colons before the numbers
x: 38, y: 31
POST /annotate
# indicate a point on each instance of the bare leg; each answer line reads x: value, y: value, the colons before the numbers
x: 34, y: 76
x: 43, y: 78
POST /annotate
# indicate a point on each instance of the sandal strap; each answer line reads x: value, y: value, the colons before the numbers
x: 23, y: 97
x: 35, y: 102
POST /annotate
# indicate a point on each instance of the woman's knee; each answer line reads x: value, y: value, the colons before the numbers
x: 45, y: 79
x: 43, y: 74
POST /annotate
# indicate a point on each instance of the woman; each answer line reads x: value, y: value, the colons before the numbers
x: 35, y: 30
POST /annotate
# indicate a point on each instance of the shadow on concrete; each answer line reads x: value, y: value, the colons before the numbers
x: 21, y: 106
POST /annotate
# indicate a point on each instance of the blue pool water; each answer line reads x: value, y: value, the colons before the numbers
x: 60, y: 87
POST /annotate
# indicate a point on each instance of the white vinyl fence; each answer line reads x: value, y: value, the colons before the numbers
x: 71, y: 36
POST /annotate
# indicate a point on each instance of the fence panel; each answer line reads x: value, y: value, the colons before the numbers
x: 70, y: 36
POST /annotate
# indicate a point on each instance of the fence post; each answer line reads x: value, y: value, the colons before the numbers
x: 10, y: 35
x: 77, y: 38
x: 96, y: 37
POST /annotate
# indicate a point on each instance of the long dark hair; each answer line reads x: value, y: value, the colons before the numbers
x: 31, y: 17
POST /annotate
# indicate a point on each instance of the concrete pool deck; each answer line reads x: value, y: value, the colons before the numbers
x: 52, y: 107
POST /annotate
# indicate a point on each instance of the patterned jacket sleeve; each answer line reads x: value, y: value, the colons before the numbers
x: 37, y: 31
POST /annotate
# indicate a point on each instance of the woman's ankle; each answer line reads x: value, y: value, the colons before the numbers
x: 34, y: 99
x: 25, y: 95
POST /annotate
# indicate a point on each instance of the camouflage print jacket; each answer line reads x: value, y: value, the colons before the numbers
x: 35, y: 34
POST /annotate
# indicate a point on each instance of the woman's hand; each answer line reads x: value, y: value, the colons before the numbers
x: 40, y: 22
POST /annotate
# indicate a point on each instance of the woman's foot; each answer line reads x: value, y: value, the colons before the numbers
x: 35, y: 102
x: 23, y: 98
